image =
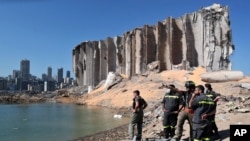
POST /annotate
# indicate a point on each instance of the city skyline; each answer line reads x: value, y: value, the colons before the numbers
x: 25, y: 67
x: 46, y: 32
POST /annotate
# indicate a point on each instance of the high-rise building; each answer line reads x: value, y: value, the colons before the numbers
x: 25, y: 69
x: 3, y: 84
x: 16, y: 74
x: 49, y: 74
x: 60, y: 75
x: 68, y: 74
x: 44, y: 77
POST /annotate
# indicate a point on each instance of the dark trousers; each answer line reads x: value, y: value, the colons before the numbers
x: 214, y: 127
x: 136, y: 120
x: 201, y: 131
x: 169, y: 123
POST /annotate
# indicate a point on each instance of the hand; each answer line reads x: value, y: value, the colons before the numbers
x: 164, y: 110
x: 204, y: 116
x: 175, y: 112
x: 194, y: 94
x: 217, y: 99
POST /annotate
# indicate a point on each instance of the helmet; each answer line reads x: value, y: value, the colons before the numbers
x: 190, y: 84
x: 208, y: 85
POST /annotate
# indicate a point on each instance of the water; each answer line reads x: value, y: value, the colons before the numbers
x: 53, y: 122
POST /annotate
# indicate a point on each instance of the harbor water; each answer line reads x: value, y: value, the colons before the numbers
x: 53, y: 121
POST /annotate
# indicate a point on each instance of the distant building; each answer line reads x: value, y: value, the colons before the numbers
x: 60, y: 75
x: 68, y: 74
x: 16, y: 74
x: 67, y: 79
x: 3, y: 84
x: 44, y: 77
x: 35, y: 86
x: 25, y: 74
x: 18, y: 83
x: 25, y: 69
x: 49, y: 86
x: 49, y: 74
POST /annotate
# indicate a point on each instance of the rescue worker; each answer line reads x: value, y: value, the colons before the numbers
x: 139, y: 104
x: 204, y: 108
x: 171, y: 106
x: 186, y: 112
x: 215, y: 96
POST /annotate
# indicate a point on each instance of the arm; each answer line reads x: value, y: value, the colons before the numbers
x: 191, y: 100
x: 217, y: 99
x: 204, y: 116
x: 136, y: 106
x: 172, y: 89
x: 145, y: 105
x: 181, y: 103
x: 180, y: 108
x: 163, y: 105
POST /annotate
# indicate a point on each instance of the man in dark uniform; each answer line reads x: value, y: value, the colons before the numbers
x: 171, y: 106
x: 215, y: 96
x: 139, y: 104
x: 204, y: 108
x: 186, y: 112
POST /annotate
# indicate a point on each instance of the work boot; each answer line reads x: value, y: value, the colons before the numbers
x: 166, y: 133
x: 172, y: 133
x: 138, y: 138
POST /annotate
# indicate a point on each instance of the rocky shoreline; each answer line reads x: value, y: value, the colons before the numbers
x: 22, y: 98
x: 115, y: 134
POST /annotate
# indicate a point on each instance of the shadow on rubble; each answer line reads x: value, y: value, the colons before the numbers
x: 224, y: 134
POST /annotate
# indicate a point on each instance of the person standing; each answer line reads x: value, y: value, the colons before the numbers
x: 215, y: 96
x: 186, y: 112
x: 171, y: 106
x: 139, y: 104
x: 204, y: 108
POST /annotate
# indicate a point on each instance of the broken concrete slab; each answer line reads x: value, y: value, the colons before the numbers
x: 222, y: 76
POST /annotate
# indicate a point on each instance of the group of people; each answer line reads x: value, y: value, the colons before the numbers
x: 196, y: 104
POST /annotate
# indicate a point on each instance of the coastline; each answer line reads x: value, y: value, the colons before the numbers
x: 114, y: 134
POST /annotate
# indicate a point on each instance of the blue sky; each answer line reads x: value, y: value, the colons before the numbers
x: 46, y: 31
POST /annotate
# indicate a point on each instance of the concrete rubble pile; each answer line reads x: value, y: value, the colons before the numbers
x: 201, y: 38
